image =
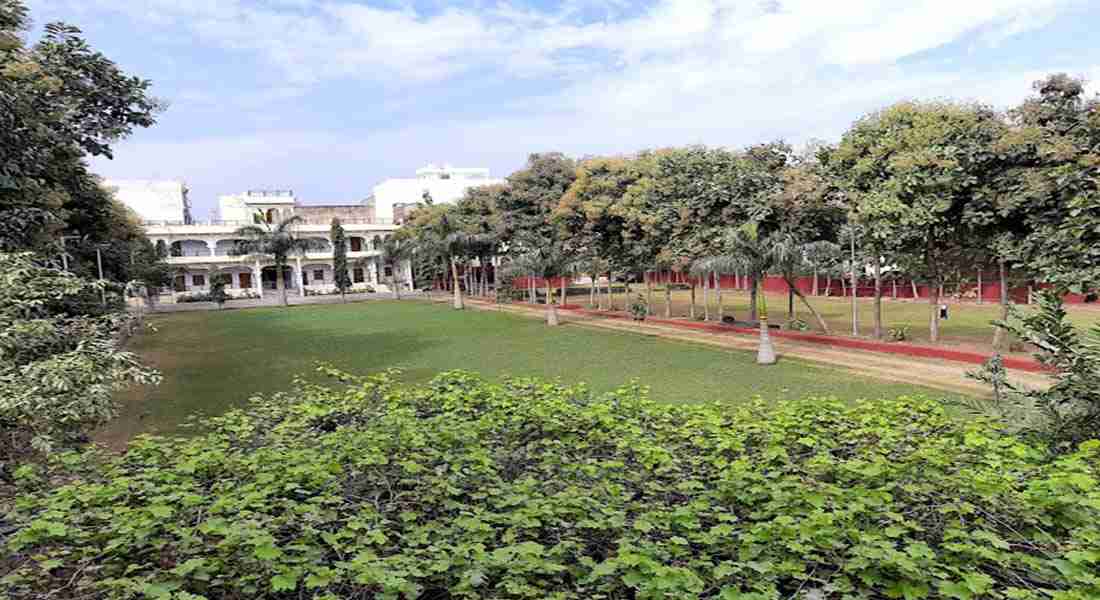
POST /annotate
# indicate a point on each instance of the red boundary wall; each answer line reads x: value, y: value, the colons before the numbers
x: 975, y: 358
x: 990, y: 289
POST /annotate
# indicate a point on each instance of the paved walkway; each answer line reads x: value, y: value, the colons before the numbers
x: 927, y: 372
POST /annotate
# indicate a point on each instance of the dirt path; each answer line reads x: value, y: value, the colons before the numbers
x: 936, y: 374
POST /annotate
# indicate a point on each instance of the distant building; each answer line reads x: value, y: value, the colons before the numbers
x: 394, y: 198
x: 153, y: 200
x: 199, y: 249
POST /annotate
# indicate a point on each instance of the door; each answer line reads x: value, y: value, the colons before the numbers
x: 246, y: 281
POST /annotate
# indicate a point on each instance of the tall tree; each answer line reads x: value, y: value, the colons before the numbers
x: 340, y: 276
x: 920, y: 164
x: 60, y: 102
x: 396, y: 251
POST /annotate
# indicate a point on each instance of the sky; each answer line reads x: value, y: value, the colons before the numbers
x: 330, y: 97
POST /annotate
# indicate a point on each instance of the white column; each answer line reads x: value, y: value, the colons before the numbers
x: 213, y: 246
x: 257, y: 279
x: 374, y: 270
x: 298, y: 276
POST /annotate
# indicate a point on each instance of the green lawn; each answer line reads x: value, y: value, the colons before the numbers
x: 214, y: 360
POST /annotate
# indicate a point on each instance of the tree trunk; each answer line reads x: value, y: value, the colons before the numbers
x: 765, y: 354
x: 878, y: 299
x: 691, y: 311
x: 592, y: 299
x: 551, y: 308
x: 828, y: 287
x: 393, y: 282
x: 790, y: 301
x: 753, y: 291
x: 458, y: 305
x: 610, y: 298
x: 648, y: 294
x: 981, y: 299
x: 531, y: 289
x: 668, y: 298
x: 564, y: 289
x: 934, y: 309
x: 855, y: 291
x: 280, y: 284
x: 815, y: 280
x: 813, y: 311
x: 999, y: 337
x: 843, y: 287
x: 913, y: 283
x: 894, y: 282
x: 718, y: 289
x: 706, y: 297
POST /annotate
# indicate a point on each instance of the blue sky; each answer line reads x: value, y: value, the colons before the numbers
x: 329, y: 97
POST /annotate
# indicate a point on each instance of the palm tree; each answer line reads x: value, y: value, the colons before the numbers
x: 547, y: 262
x: 789, y: 256
x: 277, y: 242
x: 749, y: 252
x: 395, y: 251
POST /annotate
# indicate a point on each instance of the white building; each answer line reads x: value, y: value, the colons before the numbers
x: 198, y: 249
x: 153, y: 200
x: 444, y: 184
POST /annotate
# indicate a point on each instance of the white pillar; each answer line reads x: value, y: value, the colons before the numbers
x: 213, y: 246
x: 374, y: 270
x: 258, y: 279
x: 298, y: 276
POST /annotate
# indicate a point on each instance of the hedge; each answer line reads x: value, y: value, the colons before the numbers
x: 525, y: 489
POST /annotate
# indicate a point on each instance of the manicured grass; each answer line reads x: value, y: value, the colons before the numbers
x: 215, y: 360
x: 968, y: 325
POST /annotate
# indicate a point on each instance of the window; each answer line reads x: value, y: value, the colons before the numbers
x: 356, y: 244
x: 198, y: 280
x: 357, y: 275
x: 389, y: 271
x: 318, y: 275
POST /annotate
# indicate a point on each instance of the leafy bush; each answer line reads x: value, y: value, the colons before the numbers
x: 462, y: 489
x: 639, y: 309
x: 1066, y: 413
x: 899, y: 333
x: 797, y: 325
x: 58, y: 371
x: 194, y: 297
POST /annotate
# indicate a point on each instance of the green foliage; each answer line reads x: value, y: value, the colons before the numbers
x: 58, y: 369
x: 463, y: 489
x: 639, y: 309
x: 1068, y: 412
x: 899, y: 333
x: 62, y: 102
x: 340, y: 277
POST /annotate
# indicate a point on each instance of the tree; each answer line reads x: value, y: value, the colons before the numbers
x: 395, y: 252
x: 218, y: 281
x: 919, y: 164
x: 1041, y: 211
x: 438, y: 232
x: 789, y: 256
x: 278, y: 242
x: 340, y: 276
x: 60, y: 102
x: 548, y: 263
x: 749, y: 253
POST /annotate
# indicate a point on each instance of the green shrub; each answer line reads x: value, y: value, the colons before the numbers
x: 639, y: 309
x: 899, y: 333
x: 463, y: 489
